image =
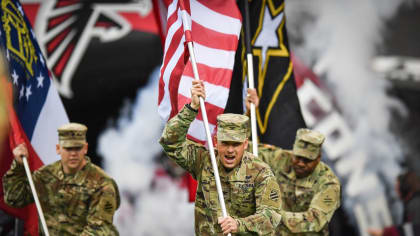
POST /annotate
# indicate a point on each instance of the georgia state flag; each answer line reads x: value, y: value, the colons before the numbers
x: 35, y: 109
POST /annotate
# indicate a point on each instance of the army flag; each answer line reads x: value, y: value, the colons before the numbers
x: 279, y: 114
x: 37, y: 110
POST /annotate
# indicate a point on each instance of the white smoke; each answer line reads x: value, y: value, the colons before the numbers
x: 129, y: 150
x: 341, y: 38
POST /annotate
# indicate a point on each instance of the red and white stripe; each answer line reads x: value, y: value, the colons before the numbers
x: 160, y: 9
x: 215, y: 27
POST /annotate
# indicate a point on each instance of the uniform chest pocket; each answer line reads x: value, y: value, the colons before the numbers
x: 243, y: 198
x: 288, y: 195
x: 211, y: 198
x: 79, y: 201
x: 304, y: 196
x: 287, y: 189
x: 243, y: 190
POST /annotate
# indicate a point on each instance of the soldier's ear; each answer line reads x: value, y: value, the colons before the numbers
x: 86, y: 149
x: 215, y: 140
x: 246, y: 143
x: 57, y: 149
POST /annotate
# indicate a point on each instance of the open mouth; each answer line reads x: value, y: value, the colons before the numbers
x: 230, y: 158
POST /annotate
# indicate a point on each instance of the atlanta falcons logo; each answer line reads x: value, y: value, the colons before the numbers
x: 65, y: 28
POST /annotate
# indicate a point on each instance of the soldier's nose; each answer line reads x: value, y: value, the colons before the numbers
x: 300, y: 163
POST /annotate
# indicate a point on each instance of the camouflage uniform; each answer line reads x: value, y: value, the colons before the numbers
x: 251, y: 193
x: 80, y: 204
x: 73, y: 204
x: 309, y: 202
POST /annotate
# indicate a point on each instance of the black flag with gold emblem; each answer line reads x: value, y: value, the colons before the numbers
x: 278, y: 115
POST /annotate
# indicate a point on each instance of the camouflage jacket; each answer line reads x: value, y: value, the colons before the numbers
x: 80, y: 204
x: 308, y: 203
x: 251, y: 193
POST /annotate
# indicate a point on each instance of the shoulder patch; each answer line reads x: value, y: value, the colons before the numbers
x: 328, y: 200
x: 274, y: 195
x: 271, y: 195
x: 108, y: 207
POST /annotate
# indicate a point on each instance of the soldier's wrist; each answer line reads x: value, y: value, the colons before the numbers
x: 20, y: 163
x: 189, y: 106
x: 240, y: 226
x: 187, y: 114
x: 16, y: 165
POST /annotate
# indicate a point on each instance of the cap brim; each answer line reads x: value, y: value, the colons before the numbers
x: 72, y: 143
x: 304, y: 154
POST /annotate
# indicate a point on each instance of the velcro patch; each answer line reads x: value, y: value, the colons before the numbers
x: 274, y: 195
x: 271, y: 194
x: 327, y: 201
x: 108, y: 207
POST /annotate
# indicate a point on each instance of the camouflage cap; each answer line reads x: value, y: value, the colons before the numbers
x: 72, y: 135
x: 308, y: 143
x: 232, y: 127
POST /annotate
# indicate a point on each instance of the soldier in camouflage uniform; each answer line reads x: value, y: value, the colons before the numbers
x: 310, y: 189
x: 250, y: 190
x: 77, y: 197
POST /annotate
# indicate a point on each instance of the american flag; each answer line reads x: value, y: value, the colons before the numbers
x: 215, y: 27
x: 37, y: 110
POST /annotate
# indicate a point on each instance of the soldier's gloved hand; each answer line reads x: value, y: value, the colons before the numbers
x: 19, y: 151
x: 251, y: 97
x: 197, y: 90
x: 228, y: 224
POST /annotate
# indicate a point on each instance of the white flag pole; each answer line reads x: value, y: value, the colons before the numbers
x: 250, y: 80
x: 34, y: 194
x: 206, y: 123
x: 253, y: 114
